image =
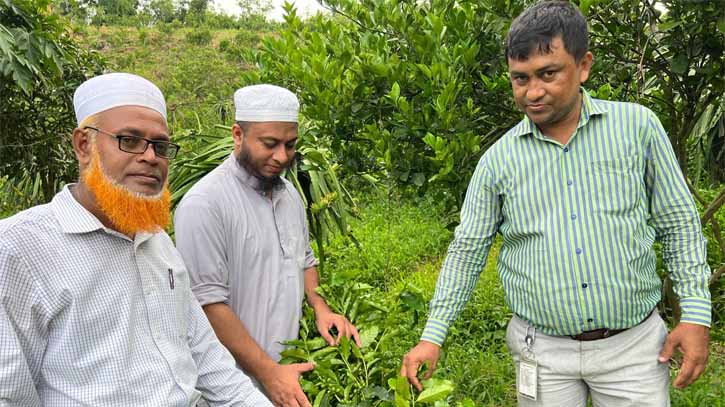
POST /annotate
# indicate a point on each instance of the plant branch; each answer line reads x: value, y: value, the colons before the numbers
x: 716, y: 204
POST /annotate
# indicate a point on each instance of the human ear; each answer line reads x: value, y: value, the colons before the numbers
x: 82, y: 146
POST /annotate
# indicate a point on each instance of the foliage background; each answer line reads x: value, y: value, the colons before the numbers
x: 399, y: 98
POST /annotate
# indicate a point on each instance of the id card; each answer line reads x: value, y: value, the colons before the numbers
x: 527, y: 378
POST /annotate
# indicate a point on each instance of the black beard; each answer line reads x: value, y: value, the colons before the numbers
x: 265, y: 183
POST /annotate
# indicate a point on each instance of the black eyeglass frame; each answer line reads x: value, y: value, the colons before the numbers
x: 120, y: 137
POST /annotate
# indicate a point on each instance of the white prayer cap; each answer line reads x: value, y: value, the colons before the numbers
x: 265, y: 103
x: 111, y: 90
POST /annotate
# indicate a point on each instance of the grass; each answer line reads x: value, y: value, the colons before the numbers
x: 394, y: 236
x: 403, y: 243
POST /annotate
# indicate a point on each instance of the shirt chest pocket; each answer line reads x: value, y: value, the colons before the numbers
x: 616, y: 184
x: 176, y: 294
x: 293, y: 240
x: 295, y: 253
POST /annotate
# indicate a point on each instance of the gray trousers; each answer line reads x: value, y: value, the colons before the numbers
x: 618, y: 371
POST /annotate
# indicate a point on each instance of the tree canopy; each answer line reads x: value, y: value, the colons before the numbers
x: 40, y: 66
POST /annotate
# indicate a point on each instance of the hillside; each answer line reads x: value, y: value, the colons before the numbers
x: 197, y: 69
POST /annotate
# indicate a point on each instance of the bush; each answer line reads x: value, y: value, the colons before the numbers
x: 199, y: 36
x: 165, y: 28
x: 400, y: 88
x: 246, y: 38
x: 224, y: 45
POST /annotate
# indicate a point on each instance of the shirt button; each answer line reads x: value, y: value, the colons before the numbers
x: 566, y: 149
x: 578, y: 251
x: 585, y: 285
x: 573, y: 217
x: 590, y: 320
x: 570, y: 182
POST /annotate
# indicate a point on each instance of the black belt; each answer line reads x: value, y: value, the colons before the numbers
x: 602, y: 333
x: 597, y: 334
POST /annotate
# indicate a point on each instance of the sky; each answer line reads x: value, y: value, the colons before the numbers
x: 304, y: 7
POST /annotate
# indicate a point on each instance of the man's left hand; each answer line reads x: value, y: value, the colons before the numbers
x: 328, y: 319
x: 692, y: 340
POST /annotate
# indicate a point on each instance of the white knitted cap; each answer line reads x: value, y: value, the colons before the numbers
x: 266, y: 103
x: 111, y: 90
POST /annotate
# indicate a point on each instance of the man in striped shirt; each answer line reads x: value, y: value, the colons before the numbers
x: 579, y: 190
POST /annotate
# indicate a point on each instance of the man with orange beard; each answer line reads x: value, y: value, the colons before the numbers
x: 95, y: 303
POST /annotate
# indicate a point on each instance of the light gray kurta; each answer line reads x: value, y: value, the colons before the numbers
x: 247, y: 250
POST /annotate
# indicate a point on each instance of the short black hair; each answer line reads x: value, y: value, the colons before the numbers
x: 535, y: 29
x: 245, y: 126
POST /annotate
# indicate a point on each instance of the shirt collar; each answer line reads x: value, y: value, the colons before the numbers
x: 590, y: 107
x: 71, y: 215
x: 75, y: 219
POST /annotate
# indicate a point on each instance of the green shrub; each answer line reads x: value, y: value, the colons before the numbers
x: 399, y: 87
x: 165, y: 28
x: 224, y: 45
x: 199, y: 36
x: 246, y: 38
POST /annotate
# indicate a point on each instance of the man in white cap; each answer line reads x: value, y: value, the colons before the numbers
x: 95, y: 303
x: 242, y: 233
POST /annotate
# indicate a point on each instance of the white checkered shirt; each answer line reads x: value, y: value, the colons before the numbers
x: 90, y: 317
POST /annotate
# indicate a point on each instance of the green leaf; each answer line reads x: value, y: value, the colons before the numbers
x: 369, y: 178
x: 316, y: 343
x: 344, y: 348
x: 319, y: 399
x: 418, y: 179
x: 377, y: 392
x: 395, y: 92
x: 434, y: 390
x: 315, y: 156
x: 584, y: 6
x: 401, y: 387
x: 298, y: 354
x: 368, y: 335
x: 668, y: 25
x: 355, y: 350
x: 679, y: 64
x: 466, y: 403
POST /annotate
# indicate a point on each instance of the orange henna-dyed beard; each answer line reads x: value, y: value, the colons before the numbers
x: 128, y: 211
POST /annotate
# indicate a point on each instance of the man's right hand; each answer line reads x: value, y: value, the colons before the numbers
x: 422, y: 352
x: 282, y: 385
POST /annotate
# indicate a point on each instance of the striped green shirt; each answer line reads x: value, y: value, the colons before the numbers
x: 578, y: 222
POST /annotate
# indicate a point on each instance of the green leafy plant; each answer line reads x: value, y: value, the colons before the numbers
x: 346, y: 375
x: 397, y: 87
x: 199, y: 36
x: 40, y: 67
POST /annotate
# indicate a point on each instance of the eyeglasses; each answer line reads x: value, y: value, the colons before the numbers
x: 139, y: 145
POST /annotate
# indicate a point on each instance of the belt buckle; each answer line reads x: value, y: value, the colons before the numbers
x: 593, y: 335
